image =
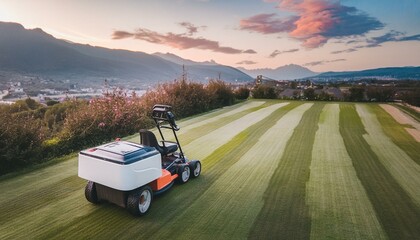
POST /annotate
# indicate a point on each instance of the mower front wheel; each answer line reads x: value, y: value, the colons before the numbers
x: 184, y: 173
x: 90, y: 192
x: 195, y: 167
x: 140, y: 200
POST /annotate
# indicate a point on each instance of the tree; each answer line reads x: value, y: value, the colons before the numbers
x: 356, y: 94
x: 380, y: 94
x: 309, y: 93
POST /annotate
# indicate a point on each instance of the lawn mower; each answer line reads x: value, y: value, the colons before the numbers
x: 130, y: 174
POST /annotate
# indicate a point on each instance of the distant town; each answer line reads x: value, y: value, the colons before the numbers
x: 354, y: 89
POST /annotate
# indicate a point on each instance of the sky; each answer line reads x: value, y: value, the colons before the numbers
x: 322, y: 35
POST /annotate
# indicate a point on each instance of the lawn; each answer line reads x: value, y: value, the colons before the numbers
x: 271, y: 170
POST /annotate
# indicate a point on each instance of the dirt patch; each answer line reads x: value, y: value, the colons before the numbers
x: 417, y: 109
x: 414, y: 132
x: 403, y: 118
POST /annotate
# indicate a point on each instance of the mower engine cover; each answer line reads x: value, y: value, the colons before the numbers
x: 120, y: 165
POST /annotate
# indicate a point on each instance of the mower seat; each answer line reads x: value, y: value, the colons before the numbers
x: 147, y: 138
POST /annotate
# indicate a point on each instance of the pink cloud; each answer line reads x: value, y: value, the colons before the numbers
x: 315, y: 22
x: 191, y: 28
x: 179, y: 41
x: 266, y: 24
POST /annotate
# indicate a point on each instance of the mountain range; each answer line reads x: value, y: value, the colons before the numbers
x: 33, y: 53
x: 287, y: 72
x: 381, y: 73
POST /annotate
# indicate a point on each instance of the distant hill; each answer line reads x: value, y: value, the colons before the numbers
x: 287, y: 72
x: 35, y: 52
x: 197, y: 69
x: 379, y: 73
x: 181, y: 61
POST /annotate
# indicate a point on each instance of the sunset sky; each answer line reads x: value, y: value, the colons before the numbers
x: 323, y: 35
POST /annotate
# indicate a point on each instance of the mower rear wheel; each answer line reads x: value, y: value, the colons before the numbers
x: 184, y: 173
x: 140, y: 200
x: 90, y: 192
x: 195, y: 168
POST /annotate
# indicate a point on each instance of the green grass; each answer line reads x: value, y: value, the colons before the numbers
x: 240, y: 185
x: 285, y: 215
x: 402, y: 168
x: 339, y: 206
x: 203, y: 128
x: 397, y: 213
x: 284, y: 171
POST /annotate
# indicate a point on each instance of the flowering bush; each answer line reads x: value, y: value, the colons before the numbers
x: 31, y: 132
x: 104, y: 119
x: 21, y: 137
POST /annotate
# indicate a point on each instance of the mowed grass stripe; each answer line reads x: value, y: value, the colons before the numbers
x: 397, y: 213
x: 187, y: 125
x: 397, y: 132
x: 189, y: 135
x: 339, y: 206
x: 166, y: 209
x: 403, y: 169
x: 11, y: 188
x: 232, y: 202
x: 211, y: 114
x: 46, y: 216
x: 205, y: 145
x: 285, y: 215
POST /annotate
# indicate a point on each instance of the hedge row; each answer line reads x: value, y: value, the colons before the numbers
x: 32, y: 133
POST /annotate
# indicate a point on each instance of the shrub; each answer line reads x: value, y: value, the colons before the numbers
x: 242, y: 93
x: 264, y: 92
x: 103, y: 119
x: 20, y: 141
x: 187, y: 98
x: 220, y: 94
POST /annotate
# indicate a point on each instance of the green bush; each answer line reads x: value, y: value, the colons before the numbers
x: 264, y: 92
x: 21, y: 137
x: 220, y: 94
x: 242, y: 93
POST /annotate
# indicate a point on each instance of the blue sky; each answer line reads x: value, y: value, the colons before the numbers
x: 323, y: 35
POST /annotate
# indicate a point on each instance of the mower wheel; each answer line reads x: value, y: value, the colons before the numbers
x: 90, y: 192
x: 195, y: 167
x: 140, y: 200
x: 184, y: 173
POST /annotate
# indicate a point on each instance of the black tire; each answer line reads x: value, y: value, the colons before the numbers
x: 90, y: 192
x: 195, y: 167
x: 139, y: 201
x: 184, y: 173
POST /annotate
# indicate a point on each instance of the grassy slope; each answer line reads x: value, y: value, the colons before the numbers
x: 285, y: 215
x: 339, y: 206
x: 397, y: 213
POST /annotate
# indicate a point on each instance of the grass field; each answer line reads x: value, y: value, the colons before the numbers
x: 271, y: 170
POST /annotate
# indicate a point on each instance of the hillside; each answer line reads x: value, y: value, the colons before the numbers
x: 287, y: 72
x: 36, y: 53
x: 384, y: 73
